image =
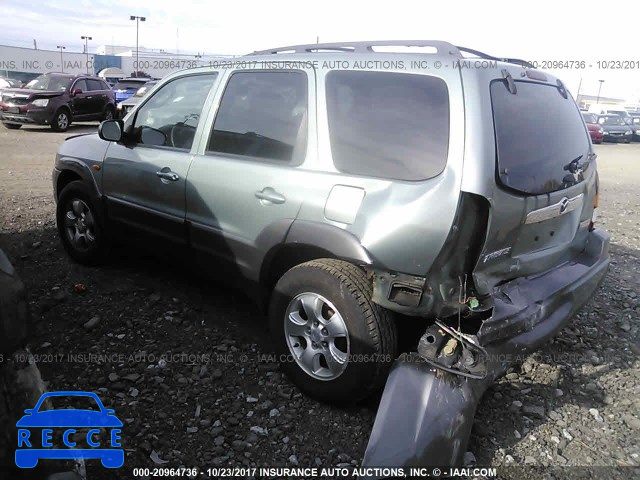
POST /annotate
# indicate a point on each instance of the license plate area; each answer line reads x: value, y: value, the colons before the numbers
x: 13, y: 109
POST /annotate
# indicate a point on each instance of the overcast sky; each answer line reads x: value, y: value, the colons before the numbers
x: 536, y: 30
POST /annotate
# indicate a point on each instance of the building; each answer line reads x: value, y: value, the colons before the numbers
x: 586, y: 101
x: 27, y: 63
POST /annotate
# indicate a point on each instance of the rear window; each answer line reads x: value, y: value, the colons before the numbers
x: 538, y: 134
x: 388, y: 125
x: 128, y: 85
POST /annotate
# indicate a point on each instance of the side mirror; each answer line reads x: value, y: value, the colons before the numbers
x: 76, y: 91
x: 110, y: 130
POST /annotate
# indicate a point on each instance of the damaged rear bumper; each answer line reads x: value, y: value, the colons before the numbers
x: 525, y: 313
x: 426, y: 411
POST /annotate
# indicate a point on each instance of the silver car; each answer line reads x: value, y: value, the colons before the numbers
x: 349, y: 189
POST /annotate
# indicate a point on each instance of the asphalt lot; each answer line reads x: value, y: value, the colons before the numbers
x: 575, y: 403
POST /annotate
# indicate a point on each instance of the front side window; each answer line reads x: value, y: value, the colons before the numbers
x: 539, y: 133
x: 170, y: 117
x: 388, y: 125
x: 82, y: 85
x: 262, y: 115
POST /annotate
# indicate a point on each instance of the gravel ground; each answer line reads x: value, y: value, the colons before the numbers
x: 219, y: 398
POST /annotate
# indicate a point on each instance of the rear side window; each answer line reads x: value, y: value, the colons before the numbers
x: 388, y: 125
x: 95, y: 84
x: 538, y: 134
x: 263, y: 115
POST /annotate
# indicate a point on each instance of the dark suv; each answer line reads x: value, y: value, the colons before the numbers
x: 57, y: 99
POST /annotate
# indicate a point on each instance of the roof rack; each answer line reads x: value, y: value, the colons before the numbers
x: 362, y: 47
x: 486, y: 56
x: 443, y: 48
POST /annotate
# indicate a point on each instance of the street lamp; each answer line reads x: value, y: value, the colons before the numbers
x: 86, y: 48
x: 599, y: 88
x: 61, y: 47
x: 138, y: 20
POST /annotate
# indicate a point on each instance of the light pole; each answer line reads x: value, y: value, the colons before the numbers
x: 61, y: 47
x: 138, y: 20
x: 599, y: 88
x: 86, y: 48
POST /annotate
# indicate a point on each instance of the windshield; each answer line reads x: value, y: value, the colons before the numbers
x: 51, y: 83
x: 588, y: 118
x: 611, y: 120
x: 128, y: 85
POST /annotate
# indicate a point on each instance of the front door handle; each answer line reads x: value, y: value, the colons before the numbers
x: 268, y: 194
x: 167, y: 175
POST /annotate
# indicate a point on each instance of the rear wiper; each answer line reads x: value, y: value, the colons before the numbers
x: 574, y: 165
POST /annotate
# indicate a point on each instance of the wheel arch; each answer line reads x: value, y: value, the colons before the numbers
x: 66, y: 108
x: 71, y: 170
x: 307, y: 241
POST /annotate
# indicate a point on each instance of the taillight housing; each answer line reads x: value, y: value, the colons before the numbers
x: 596, y: 202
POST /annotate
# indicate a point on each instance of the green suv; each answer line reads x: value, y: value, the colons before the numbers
x: 347, y: 188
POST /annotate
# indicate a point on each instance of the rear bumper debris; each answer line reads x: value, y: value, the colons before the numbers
x: 427, y: 408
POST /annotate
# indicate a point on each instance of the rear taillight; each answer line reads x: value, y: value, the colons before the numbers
x: 596, y: 202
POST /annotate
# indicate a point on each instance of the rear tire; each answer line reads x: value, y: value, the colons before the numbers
x: 61, y: 121
x: 12, y: 126
x: 326, y: 364
x: 80, y: 224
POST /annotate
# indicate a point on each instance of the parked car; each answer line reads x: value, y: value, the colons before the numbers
x: 595, y: 130
x: 126, y: 87
x: 615, y: 128
x: 126, y: 105
x: 9, y: 83
x: 634, y: 124
x: 345, y: 208
x: 57, y: 99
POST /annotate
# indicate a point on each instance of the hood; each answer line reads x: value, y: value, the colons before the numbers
x: 615, y: 128
x: 88, y: 148
x: 28, y: 93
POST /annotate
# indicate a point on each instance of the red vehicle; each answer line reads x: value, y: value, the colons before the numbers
x: 595, y: 129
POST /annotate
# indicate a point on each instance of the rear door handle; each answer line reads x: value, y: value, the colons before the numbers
x: 166, y: 174
x: 268, y: 194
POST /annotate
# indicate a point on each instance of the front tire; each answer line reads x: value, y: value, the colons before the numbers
x: 80, y: 224
x: 61, y: 121
x: 333, y: 342
x: 108, y: 113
